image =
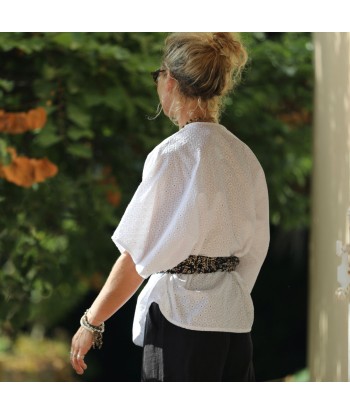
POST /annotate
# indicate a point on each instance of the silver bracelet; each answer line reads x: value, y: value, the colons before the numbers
x: 95, y: 330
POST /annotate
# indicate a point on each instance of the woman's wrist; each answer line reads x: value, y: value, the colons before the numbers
x: 92, y: 319
x: 96, y: 330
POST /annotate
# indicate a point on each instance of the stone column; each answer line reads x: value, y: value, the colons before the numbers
x: 328, y: 317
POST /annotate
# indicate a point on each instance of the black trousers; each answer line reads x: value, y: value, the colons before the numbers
x: 175, y: 354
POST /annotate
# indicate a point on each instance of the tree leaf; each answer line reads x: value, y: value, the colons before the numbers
x: 76, y: 133
x: 6, y: 85
x: 48, y: 136
x: 78, y: 115
x: 80, y: 150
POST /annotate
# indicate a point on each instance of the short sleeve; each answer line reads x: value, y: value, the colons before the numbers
x: 160, y: 227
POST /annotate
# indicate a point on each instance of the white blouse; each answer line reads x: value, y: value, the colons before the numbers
x: 203, y: 192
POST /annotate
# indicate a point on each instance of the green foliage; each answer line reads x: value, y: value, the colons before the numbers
x: 96, y: 89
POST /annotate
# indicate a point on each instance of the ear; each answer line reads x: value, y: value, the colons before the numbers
x: 170, y: 84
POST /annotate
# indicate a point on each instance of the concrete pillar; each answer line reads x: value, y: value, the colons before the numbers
x: 328, y: 317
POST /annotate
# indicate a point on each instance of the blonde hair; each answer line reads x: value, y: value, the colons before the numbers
x: 206, y: 66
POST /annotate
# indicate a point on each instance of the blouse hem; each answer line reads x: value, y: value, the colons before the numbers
x: 201, y: 328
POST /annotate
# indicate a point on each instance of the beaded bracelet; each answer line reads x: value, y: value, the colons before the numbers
x: 95, y: 330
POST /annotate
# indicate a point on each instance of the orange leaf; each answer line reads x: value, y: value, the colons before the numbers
x: 17, y: 123
x: 20, y: 122
x: 36, y: 118
x: 43, y: 169
x: 20, y: 172
x: 24, y: 171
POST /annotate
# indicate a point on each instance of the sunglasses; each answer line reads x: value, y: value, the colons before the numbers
x: 156, y: 73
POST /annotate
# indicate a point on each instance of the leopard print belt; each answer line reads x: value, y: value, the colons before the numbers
x: 199, y: 264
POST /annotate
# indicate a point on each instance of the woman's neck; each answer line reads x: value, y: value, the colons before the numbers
x: 191, y: 120
x: 188, y: 116
x: 188, y: 110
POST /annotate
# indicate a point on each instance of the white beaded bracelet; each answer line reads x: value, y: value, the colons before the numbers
x: 95, y: 330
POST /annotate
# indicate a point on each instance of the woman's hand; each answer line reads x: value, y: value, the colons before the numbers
x: 81, y: 344
x: 122, y: 282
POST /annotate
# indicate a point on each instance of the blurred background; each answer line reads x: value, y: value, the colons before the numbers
x: 74, y: 134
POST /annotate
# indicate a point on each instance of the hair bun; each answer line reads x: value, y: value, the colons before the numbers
x: 225, y: 40
x: 205, y: 65
x: 220, y: 39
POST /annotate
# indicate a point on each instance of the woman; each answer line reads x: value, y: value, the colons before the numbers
x: 197, y: 225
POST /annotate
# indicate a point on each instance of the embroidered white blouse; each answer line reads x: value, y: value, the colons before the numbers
x: 203, y: 192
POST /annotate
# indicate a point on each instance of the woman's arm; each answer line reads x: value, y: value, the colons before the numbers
x: 122, y: 282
